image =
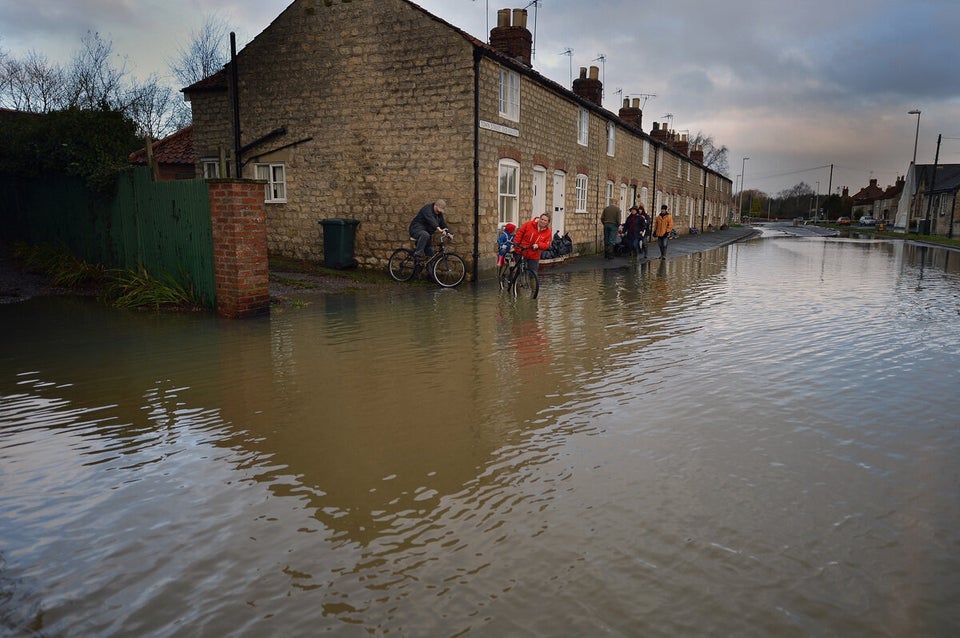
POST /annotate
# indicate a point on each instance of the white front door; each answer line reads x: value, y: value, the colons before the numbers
x: 539, y: 191
x: 559, y: 186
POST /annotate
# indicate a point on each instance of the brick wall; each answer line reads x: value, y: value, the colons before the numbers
x: 239, y: 247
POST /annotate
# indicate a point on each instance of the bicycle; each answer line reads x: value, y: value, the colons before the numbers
x: 446, y: 268
x: 519, y: 278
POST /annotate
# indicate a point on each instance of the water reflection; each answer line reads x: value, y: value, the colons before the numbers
x: 707, y: 445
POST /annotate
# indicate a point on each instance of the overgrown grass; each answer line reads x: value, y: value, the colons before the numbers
x: 59, y: 264
x: 121, y: 288
x: 138, y: 289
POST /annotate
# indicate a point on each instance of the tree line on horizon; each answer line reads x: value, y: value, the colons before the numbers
x: 97, y: 79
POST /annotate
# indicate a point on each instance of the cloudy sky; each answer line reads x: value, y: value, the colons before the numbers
x: 794, y: 86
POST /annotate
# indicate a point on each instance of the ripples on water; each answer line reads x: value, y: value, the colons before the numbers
x: 755, y: 441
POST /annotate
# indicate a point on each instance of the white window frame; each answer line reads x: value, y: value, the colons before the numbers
x: 644, y: 196
x: 688, y: 171
x: 608, y: 193
x: 679, y: 168
x: 646, y: 152
x: 583, y: 183
x: 583, y: 127
x: 210, y: 168
x: 509, y: 94
x: 611, y: 139
x: 623, y: 202
x: 275, y: 176
x: 660, y: 162
x: 508, y: 203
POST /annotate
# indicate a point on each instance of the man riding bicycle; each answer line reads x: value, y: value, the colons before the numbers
x: 428, y: 221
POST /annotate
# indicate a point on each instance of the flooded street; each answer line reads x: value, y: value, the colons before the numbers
x: 758, y: 440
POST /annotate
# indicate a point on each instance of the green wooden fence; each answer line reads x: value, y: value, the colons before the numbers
x: 163, y: 226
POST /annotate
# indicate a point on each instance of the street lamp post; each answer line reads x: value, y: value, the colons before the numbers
x: 743, y: 178
x: 916, y: 136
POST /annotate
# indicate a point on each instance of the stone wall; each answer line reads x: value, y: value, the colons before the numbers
x: 376, y: 101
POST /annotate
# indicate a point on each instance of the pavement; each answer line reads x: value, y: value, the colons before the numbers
x: 682, y: 245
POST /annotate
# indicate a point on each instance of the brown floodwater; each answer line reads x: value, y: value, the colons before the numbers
x: 761, y: 440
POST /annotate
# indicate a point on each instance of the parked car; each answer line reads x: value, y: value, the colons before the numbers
x: 867, y: 220
x: 843, y: 221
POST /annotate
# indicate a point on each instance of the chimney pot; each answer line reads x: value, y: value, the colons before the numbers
x: 520, y: 18
x: 513, y: 41
x: 636, y: 102
x: 594, y: 73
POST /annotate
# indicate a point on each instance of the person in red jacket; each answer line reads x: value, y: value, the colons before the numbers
x: 532, y: 238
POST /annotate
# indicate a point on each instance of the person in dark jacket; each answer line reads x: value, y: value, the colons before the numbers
x: 427, y: 222
x: 632, y: 231
x: 646, y: 227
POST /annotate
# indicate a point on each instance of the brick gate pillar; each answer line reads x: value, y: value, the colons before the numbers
x: 239, y: 223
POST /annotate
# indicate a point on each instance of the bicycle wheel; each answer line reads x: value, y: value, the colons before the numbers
x: 449, y: 270
x: 503, y: 276
x: 401, y: 264
x: 526, y: 284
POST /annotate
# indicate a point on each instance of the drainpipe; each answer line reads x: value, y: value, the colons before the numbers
x: 476, y: 164
x: 234, y: 76
x: 653, y: 204
x: 703, y: 202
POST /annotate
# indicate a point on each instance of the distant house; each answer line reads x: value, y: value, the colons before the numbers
x: 864, y: 199
x: 369, y: 109
x: 933, y: 198
x: 173, y: 155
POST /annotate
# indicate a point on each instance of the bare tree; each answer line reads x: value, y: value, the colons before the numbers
x: 157, y: 109
x: 206, y: 53
x: 714, y: 157
x: 32, y: 84
x: 93, y: 82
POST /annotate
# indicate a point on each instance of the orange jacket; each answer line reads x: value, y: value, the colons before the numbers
x: 528, y: 235
x: 662, y: 225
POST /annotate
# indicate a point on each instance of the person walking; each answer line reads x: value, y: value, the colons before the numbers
x: 611, y: 224
x: 632, y: 231
x: 662, y: 225
x: 645, y: 228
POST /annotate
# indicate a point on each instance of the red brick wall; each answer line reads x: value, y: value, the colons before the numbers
x: 240, y: 247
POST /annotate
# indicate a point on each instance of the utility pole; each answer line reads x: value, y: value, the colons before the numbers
x: 933, y: 181
x: 829, y: 185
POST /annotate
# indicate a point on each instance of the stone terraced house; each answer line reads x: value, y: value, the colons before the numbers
x: 369, y: 109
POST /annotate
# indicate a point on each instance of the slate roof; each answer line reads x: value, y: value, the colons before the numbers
x: 947, y: 180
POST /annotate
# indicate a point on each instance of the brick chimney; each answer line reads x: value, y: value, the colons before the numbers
x: 631, y: 113
x: 514, y: 40
x: 658, y: 132
x: 681, y: 145
x: 589, y: 88
x: 696, y: 154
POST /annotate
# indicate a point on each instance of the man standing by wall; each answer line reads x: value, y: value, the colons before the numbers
x: 662, y: 225
x: 611, y: 223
